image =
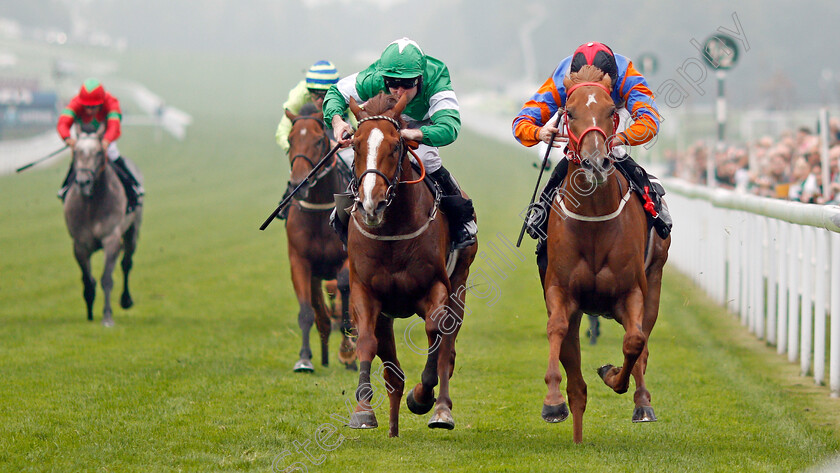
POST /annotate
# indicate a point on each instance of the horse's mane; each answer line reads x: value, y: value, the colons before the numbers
x: 587, y: 73
x: 381, y: 103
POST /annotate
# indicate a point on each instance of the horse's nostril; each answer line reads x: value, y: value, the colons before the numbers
x: 380, y: 207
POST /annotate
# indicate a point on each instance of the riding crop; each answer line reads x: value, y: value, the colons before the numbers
x: 539, y: 178
x: 22, y: 168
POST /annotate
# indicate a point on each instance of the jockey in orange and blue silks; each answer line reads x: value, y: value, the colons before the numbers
x: 629, y: 91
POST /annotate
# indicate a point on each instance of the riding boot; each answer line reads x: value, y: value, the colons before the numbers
x: 459, y: 209
x: 652, y: 193
x: 537, y: 226
x: 284, y: 213
x: 133, y: 189
x: 65, y: 186
x: 340, y: 216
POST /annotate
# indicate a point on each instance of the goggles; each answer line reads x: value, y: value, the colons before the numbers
x: 397, y: 82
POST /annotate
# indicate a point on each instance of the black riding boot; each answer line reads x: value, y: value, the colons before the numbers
x: 284, y: 214
x: 133, y: 190
x: 654, y: 191
x: 65, y: 186
x: 459, y: 210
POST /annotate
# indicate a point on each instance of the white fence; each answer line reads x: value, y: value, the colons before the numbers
x: 772, y: 262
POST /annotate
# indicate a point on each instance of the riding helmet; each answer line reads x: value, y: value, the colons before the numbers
x: 403, y: 59
x: 595, y: 54
x: 92, y: 93
x: 321, y: 75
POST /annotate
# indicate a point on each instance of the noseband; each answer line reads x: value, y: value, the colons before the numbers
x: 573, y: 150
x: 93, y: 172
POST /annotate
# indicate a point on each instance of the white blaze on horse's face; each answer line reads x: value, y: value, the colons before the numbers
x: 591, y: 100
x: 374, y: 141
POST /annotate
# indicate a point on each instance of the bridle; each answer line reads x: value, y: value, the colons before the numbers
x: 93, y: 172
x: 393, y: 182
x: 573, y: 150
x: 323, y: 144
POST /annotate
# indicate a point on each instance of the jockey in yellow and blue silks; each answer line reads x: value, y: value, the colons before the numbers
x: 311, y: 89
x: 629, y: 91
x: 432, y: 116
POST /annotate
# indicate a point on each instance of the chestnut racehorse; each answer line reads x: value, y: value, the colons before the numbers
x: 397, y: 245
x: 316, y: 254
x: 602, y: 259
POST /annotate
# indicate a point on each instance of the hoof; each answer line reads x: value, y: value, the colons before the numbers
x: 602, y: 371
x: 352, y: 366
x: 125, y: 301
x: 417, y: 408
x: 644, y: 414
x: 304, y: 366
x: 442, y: 419
x: 363, y: 420
x: 108, y: 322
x: 555, y: 414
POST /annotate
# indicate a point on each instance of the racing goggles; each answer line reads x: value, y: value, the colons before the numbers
x: 397, y: 82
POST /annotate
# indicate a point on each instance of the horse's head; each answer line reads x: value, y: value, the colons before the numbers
x: 591, y: 119
x: 379, y: 152
x: 88, y: 159
x: 308, y: 143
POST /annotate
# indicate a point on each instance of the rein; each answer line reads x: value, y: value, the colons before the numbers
x: 573, y: 150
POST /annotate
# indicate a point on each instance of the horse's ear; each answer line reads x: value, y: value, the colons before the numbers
x: 567, y: 82
x: 100, y: 132
x: 400, y: 106
x: 355, y: 108
x: 75, y: 129
x: 606, y: 81
x: 291, y: 116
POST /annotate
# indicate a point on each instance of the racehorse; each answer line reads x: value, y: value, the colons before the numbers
x: 316, y: 254
x: 95, y: 212
x: 398, y: 245
x: 602, y: 258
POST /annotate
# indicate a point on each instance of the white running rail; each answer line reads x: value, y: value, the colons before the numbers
x: 771, y: 262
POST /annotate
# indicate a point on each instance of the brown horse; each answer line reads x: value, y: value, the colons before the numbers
x: 316, y: 254
x: 602, y: 259
x: 95, y: 213
x: 398, y: 244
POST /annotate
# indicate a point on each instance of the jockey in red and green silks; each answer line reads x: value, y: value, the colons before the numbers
x: 91, y: 108
x: 432, y: 114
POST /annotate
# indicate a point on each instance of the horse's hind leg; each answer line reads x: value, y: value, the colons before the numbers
x: 129, y: 246
x: 322, y: 319
x: 83, y: 258
x: 111, y: 246
x: 392, y: 374
x: 347, y: 350
x: 575, y: 385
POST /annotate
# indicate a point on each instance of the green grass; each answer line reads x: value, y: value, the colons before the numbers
x: 197, y: 376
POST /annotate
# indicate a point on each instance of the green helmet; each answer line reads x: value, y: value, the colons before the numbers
x: 403, y: 59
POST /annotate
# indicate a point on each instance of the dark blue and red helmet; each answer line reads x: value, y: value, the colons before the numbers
x: 595, y: 54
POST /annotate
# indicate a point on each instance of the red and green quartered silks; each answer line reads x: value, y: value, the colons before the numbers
x: 75, y: 112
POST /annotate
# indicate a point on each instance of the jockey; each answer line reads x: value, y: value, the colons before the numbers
x: 311, y: 89
x: 92, y: 107
x: 629, y: 91
x: 432, y: 117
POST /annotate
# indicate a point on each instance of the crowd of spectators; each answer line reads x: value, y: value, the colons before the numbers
x: 788, y: 166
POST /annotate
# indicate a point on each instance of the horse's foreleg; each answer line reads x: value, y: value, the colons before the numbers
x: 347, y: 350
x: 366, y: 310
x: 301, y: 280
x: 391, y: 373
x: 575, y: 385
x: 631, y: 314
x: 554, y: 406
x: 89, y: 293
x: 442, y: 325
x: 322, y: 319
x: 111, y: 246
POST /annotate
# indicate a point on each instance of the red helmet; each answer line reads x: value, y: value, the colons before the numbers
x: 92, y: 93
x: 595, y: 54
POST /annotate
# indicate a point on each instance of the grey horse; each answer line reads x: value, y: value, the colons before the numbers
x: 95, y: 212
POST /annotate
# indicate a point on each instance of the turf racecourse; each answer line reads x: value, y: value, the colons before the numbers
x: 197, y: 376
